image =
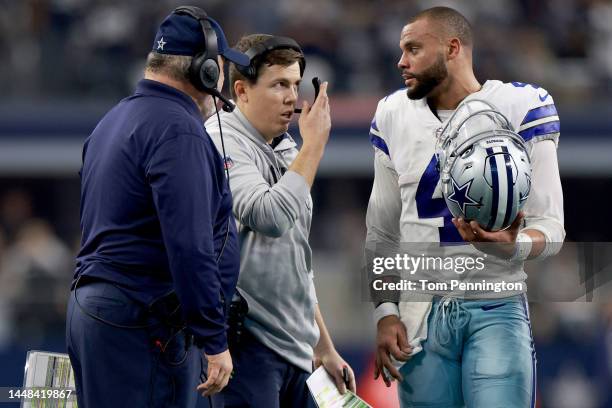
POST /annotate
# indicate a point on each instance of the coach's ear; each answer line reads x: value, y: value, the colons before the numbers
x: 240, y: 89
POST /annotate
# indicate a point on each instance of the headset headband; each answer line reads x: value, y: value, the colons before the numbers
x: 210, y: 36
x: 271, y: 44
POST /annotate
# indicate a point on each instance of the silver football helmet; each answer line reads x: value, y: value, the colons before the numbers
x: 485, y: 170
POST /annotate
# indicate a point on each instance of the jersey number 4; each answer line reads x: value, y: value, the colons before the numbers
x: 429, y: 207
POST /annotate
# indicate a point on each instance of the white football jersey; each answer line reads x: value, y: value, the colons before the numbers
x: 407, y: 206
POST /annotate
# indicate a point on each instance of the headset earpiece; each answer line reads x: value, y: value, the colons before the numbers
x: 209, y: 73
x: 204, y: 70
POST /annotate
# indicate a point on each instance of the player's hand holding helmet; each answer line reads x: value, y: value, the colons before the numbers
x: 485, y: 170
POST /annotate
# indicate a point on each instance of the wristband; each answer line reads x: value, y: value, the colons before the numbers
x: 522, y: 247
x: 385, y: 309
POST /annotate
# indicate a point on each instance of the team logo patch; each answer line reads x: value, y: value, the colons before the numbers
x: 228, y: 163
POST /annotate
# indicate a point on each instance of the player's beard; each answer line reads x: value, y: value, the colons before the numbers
x: 429, y: 79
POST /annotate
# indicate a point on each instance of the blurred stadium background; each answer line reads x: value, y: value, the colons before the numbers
x: 65, y: 62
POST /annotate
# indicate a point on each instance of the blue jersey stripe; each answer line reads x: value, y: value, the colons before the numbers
x: 379, y: 142
x: 510, y: 185
x: 539, y: 113
x: 495, y: 188
x: 373, y: 125
x: 542, y: 129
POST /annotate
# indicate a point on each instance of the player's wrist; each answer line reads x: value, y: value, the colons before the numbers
x: 385, y: 309
x: 522, y: 247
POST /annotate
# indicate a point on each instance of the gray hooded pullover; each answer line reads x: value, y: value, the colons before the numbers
x: 273, y: 209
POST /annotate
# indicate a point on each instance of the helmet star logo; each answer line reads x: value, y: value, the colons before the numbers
x: 161, y: 43
x: 461, y: 195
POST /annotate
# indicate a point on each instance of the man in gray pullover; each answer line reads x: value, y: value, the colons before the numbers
x: 270, y: 181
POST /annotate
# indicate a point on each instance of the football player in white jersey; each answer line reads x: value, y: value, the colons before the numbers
x: 475, y: 350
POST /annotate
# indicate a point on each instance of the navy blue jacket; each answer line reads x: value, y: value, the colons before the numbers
x: 156, y: 208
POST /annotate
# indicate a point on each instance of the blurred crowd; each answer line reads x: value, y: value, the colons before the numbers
x: 96, y: 48
x: 35, y: 273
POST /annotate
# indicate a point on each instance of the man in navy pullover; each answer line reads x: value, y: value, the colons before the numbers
x: 159, y: 254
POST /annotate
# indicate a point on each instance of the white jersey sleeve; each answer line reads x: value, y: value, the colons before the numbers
x: 540, y: 126
x: 385, y: 204
x: 534, y: 114
x: 544, y: 207
x: 384, y: 208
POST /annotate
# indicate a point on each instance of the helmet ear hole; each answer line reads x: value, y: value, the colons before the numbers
x: 468, y: 152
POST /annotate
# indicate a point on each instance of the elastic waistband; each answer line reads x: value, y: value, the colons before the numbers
x: 520, y: 297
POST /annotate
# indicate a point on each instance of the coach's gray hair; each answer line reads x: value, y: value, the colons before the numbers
x: 174, y: 66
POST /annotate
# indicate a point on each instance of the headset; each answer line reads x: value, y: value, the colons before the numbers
x: 258, y: 50
x: 204, y: 70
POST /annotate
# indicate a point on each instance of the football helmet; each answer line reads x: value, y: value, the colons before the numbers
x: 485, y: 169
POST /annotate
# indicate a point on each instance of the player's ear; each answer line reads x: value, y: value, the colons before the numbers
x: 453, y: 48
